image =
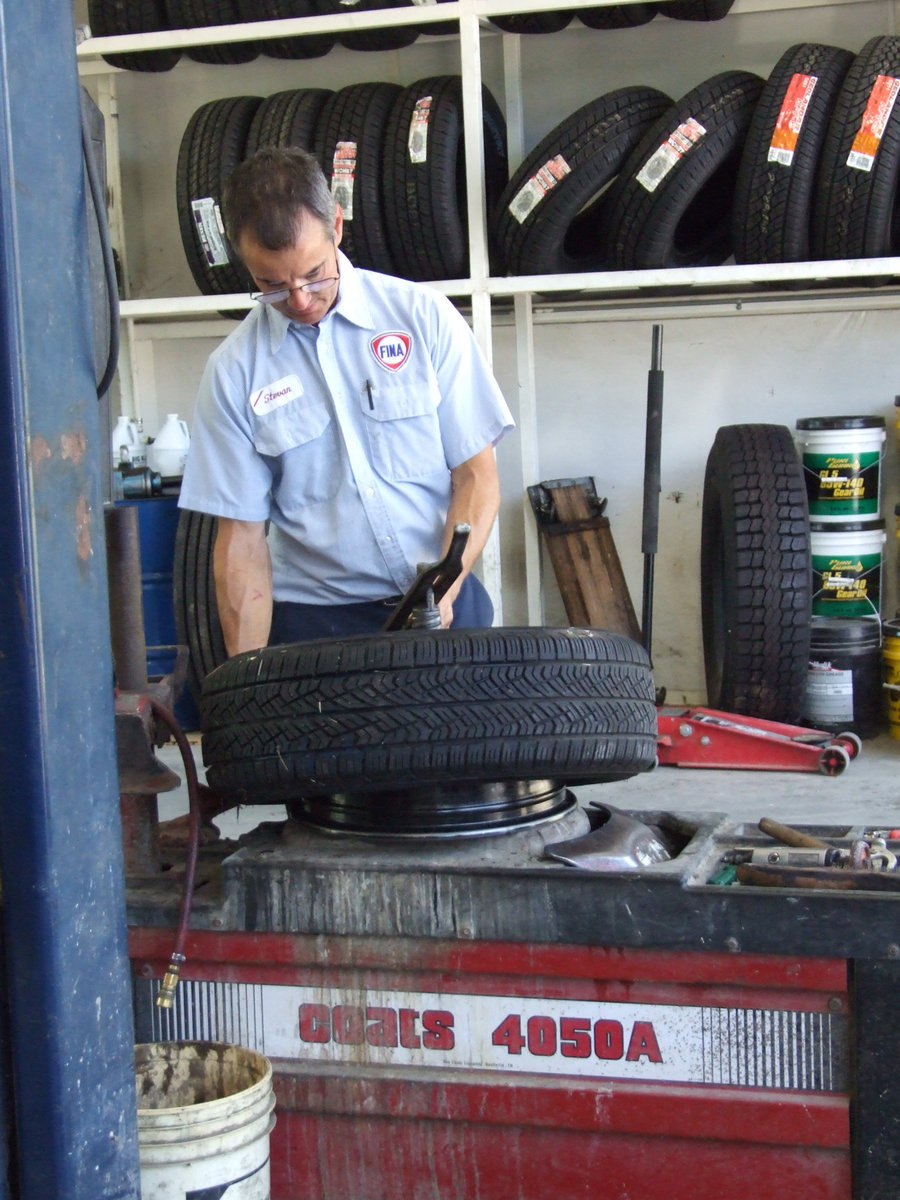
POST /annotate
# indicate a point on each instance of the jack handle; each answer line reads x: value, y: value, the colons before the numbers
x: 431, y: 584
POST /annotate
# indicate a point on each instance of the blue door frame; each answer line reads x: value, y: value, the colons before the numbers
x: 69, y: 1024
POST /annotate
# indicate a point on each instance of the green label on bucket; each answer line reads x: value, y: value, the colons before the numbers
x: 838, y: 484
x: 846, y: 587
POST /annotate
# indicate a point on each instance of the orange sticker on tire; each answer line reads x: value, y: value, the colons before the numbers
x: 790, y: 119
x: 879, y: 107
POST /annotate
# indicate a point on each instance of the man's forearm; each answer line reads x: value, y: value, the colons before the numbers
x: 243, y: 575
x: 474, y: 501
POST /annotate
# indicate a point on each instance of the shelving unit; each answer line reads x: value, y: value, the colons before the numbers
x: 526, y: 303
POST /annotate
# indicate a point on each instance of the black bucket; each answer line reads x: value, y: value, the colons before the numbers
x: 843, y: 686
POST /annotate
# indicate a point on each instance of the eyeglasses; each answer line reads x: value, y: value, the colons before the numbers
x: 279, y: 295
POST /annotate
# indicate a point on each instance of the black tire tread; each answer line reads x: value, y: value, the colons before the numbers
x: 594, y: 141
x: 646, y: 229
x: 773, y: 201
x: 369, y: 713
x: 428, y: 231
x: 756, y: 573
x: 853, y: 210
x: 110, y: 17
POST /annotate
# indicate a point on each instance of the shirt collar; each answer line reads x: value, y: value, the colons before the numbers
x: 352, y: 306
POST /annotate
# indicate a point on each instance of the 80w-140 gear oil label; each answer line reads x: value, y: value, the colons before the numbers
x: 548, y: 1036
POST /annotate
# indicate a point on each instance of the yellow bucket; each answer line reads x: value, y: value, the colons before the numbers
x: 890, y: 657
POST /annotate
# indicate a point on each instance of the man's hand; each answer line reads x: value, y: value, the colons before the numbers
x: 243, y: 575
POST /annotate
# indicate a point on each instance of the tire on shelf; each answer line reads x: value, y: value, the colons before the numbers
x: 193, y: 14
x: 349, y: 144
x: 696, y: 10
x: 755, y: 573
x: 287, y: 119
x: 385, y: 38
x: 671, y: 204
x: 617, y: 16
x: 420, y: 708
x: 776, y: 179
x: 307, y: 46
x: 425, y: 177
x: 549, y: 22
x: 854, y: 206
x: 110, y: 17
x: 212, y: 146
x: 548, y: 219
x: 196, y: 613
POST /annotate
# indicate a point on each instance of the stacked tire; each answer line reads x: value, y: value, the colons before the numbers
x: 804, y: 165
x: 393, y: 156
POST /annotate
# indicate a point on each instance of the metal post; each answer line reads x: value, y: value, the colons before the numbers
x: 66, y: 978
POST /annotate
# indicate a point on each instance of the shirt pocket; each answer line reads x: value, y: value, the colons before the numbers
x: 403, y: 431
x: 301, y: 437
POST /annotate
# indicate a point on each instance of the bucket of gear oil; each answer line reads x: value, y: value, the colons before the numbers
x: 846, y: 568
x: 841, y: 459
x: 843, y: 684
x: 204, y: 1119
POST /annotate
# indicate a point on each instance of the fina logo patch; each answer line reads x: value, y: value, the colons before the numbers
x: 391, y: 350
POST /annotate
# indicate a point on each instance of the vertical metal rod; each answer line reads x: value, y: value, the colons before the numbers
x: 65, y: 967
x: 126, y: 606
x: 652, y: 482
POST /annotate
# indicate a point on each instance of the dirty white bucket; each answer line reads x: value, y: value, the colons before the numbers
x: 204, y: 1119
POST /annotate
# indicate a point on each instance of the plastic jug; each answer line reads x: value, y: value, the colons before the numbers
x: 168, y: 450
x: 127, y: 446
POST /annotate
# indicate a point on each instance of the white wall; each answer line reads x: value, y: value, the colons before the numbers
x: 591, y: 373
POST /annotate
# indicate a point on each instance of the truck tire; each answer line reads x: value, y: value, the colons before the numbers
x: 310, y: 46
x: 425, y: 184
x: 193, y: 14
x: 110, y: 17
x: 533, y: 22
x: 617, y: 16
x: 755, y: 573
x: 548, y: 219
x: 859, y: 170
x: 775, y: 183
x: 671, y: 205
x: 211, y: 147
x: 286, y: 119
x: 697, y: 10
x: 423, y: 708
x: 349, y: 144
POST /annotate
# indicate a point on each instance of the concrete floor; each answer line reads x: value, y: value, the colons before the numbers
x: 868, y: 792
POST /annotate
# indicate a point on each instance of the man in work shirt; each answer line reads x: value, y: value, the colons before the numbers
x: 352, y: 411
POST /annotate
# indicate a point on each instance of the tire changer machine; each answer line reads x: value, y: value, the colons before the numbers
x: 510, y: 998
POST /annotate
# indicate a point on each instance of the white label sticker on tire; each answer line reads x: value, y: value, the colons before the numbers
x: 670, y: 154
x: 343, y: 173
x: 418, y: 130
x: 879, y: 107
x: 790, y: 119
x: 210, y: 231
x: 529, y: 196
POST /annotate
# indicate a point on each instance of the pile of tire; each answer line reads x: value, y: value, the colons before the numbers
x: 803, y: 166
x: 615, y: 16
x: 394, y: 157
x: 108, y: 18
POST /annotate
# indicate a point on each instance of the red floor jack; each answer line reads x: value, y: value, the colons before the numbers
x: 706, y: 737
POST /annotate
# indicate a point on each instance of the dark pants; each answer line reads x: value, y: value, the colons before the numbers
x: 472, y: 609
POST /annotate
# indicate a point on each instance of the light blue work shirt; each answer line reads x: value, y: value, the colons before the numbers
x: 343, y: 435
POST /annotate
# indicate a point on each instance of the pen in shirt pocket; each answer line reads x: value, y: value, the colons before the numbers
x: 368, y: 386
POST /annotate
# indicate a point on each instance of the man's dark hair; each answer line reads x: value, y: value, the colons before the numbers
x: 271, y: 193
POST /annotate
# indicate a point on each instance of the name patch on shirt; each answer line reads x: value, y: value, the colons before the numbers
x: 276, y: 394
x: 391, y: 350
